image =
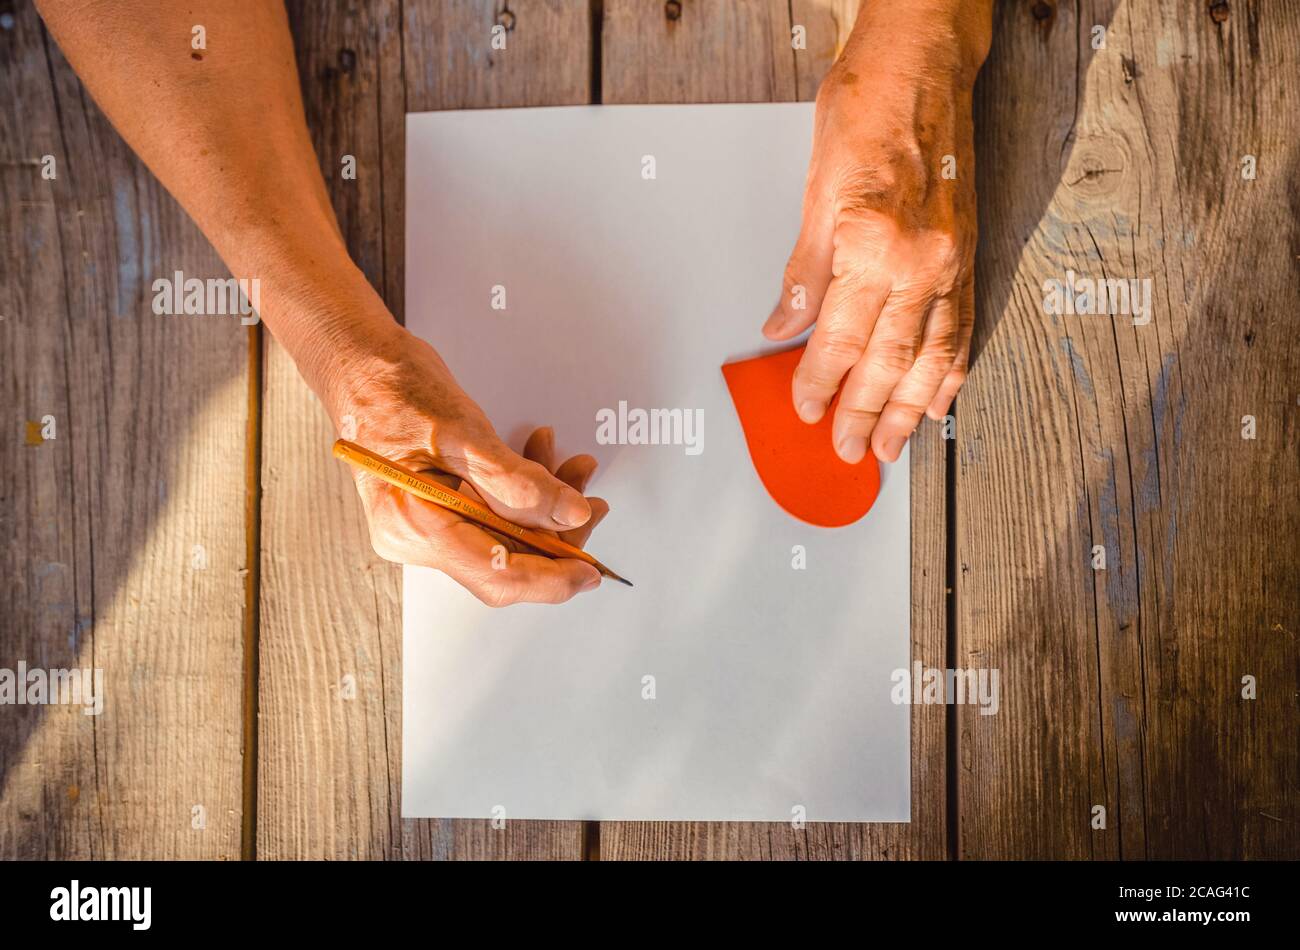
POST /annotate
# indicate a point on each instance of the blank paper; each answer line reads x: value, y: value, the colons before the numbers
x: 730, y: 683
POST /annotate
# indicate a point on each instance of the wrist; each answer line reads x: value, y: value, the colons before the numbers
x: 321, y: 309
x: 922, y: 36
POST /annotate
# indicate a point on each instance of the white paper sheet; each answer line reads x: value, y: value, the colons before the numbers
x: 771, y: 684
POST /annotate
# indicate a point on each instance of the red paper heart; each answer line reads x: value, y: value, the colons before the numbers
x: 796, y: 461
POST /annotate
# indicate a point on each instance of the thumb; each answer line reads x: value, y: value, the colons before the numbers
x: 514, y: 487
x: 807, y: 275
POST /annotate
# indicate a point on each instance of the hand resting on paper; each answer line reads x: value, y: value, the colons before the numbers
x: 411, y: 410
x: 884, y: 261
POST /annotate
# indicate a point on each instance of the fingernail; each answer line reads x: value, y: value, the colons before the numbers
x: 775, y: 321
x: 810, y: 410
x: 571, y: 510
x: 592, y: 583
x: 852, y: 448
x: 893, y: 447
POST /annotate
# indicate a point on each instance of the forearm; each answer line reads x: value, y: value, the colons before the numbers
x: 223, y: 129
x: 954, y: 34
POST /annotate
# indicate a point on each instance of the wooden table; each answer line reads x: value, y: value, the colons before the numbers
x: 187, y: 531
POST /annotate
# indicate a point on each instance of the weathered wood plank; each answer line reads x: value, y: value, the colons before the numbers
x: 330, y: 775
x: 716, y: 52
x: 1122, y: 687
x: 451, y: 63
x: 124, y: 534
x: 697, y: 52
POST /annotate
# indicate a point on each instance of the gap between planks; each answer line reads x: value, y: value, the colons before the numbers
x: 252, y: 590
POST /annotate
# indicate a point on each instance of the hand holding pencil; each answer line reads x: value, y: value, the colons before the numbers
x: 470, y: 506
x: 410, y: 412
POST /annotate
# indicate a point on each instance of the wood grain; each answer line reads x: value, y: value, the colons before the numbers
x: 124, y: 535
x: 125, y: 544
x: 1122, y: 687
x: 330, y: 769
x: 714, y: 52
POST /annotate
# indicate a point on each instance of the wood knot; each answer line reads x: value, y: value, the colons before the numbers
x: 506, y: 18
x: 1044, y: 12
x: 1096, y: 173
x: 1219, y: 10
x: 673, y: 10
x: 1093, y: 162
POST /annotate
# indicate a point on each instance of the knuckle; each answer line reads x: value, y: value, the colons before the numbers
x: 947, y: 255
x: 817, y: 377
x: 858, y: 231
x: 793, y: 274
x: 519, y: 483
x: 908, y: 409
x: 940, y: 352
x: 838, y: 348
x: 945, y: 246
x: 892, y: 358
x: 494, y: 593
x: 533, y: 481
x: 858, y: 417
x: 384, y: 546
x: 791, y: 284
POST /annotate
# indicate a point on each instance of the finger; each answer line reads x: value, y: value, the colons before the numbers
x: 957, y: 374
x: 578, y: 536
x: 540, y: 447
x: 889, y: 355
x: 469, y: 491
x: 953, y: 382
x: 577, y: 471
x: 516, y: 488
x: 403, y: 528
x: 917, y: 389
x: 844, y: 325
x: 807, y: 275
x: 499, y: 577
x: 408, y: 530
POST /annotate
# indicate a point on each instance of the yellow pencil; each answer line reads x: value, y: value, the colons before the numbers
x: 467, y: 508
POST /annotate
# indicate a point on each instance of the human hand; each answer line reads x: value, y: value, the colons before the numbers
x: 884, y: 262
x: 406, y: 406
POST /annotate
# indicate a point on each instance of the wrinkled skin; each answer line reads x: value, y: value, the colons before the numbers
x: 884, y: 262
